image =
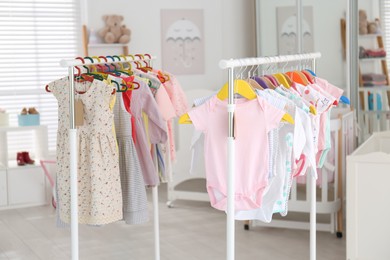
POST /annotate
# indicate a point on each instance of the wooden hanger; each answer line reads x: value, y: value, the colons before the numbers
x: 241, y: 87
x: 269, y: 83
x: 290, y: 82
x: 281, y: 78
x: 309, y: 77
x: 254, y: 84
x: 298, y: 77
x: 275, y: 83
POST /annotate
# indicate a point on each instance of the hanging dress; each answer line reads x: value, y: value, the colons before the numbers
x: 99, y: 187
x: 135, y: 204
x: 141, y: 101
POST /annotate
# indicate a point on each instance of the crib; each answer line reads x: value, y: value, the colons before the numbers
x: 329, y: 195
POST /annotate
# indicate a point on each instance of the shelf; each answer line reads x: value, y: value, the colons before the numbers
x: 369, y: 36
x: 12, y: 164
x: 106, y: 45
x: 21, y: 128
x: 372, y: 59
x: 384, y: 87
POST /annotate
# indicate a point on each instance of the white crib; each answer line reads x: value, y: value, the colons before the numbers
x: 329, y: 199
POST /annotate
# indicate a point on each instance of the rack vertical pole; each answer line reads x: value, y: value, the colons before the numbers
x: 156, y: 224
x: 230, y: 227
x: 73, y: 169
x: 299, y: 16
x: 313, y: 204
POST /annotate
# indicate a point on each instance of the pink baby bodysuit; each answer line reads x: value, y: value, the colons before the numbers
x: 253, y: 120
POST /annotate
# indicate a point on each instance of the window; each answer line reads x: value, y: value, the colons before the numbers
x: 34, y: 36
x: 386, y: 27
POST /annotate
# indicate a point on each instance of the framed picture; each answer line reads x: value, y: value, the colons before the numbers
x: 182, y: 41
x: 287, y: 30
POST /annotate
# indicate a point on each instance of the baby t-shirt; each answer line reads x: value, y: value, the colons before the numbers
x: 253, y: 120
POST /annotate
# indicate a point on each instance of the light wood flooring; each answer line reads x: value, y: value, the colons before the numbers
x: 189, y: 231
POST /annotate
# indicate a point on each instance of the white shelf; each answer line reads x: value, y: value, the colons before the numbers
x: 372, y: 59
x: 12, y: 164
x: 23, y: 186
x: 106, y: 45
x: 369, y: 36
x: 40, y: 140
x: 21, y: 128
x: 384, y: 87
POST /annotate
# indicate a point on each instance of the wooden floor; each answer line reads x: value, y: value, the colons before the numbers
x: 188, y: 231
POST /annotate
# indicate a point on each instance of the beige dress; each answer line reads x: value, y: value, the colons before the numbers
x: 99, y: 187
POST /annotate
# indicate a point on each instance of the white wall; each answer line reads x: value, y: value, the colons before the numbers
x: 229, y: 31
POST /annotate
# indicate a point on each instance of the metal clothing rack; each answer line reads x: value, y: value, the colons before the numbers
x: 237, y: 63
x: 71, y: 64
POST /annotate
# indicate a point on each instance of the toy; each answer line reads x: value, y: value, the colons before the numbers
x: 372, y: 28
x: 114, y: 31
x: 363, y: 23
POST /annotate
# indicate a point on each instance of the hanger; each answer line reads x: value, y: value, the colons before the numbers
x: 261, y: 82
x: 163, y: 77
x: 308, y: 76
x: 242, y: 88
x: 255, y: 84
x: 145, y: 68
x: 290, y: 82
x: 275, y: 83
x: 298, y: 77
x: 281, y: 79
x: 268, y: 82
x: 311, y: 72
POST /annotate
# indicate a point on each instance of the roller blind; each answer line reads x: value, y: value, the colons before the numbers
x: 34, y: 36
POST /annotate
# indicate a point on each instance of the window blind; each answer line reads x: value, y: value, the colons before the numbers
x: 385, y: 24
x: 34, y: 36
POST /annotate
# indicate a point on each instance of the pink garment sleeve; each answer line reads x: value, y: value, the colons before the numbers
x: 199, y: 116
x: 157, y: 124
x: 272, y: 114
x: 331, y: 89
x: 164, y: 103
x: 177, y: 96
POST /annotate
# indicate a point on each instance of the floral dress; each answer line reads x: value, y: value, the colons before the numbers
x: 99, y: 186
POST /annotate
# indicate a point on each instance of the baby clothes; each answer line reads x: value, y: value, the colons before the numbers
x: 143, y: 100
x: 253, y: 121
x: 276, y: 195
x: 135, y: 204
x: 99, y: 188
x: 168, y: 113
x: 180, y: 104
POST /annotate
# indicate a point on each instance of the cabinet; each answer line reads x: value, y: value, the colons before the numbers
x: 3, y: 187
x: 368, y: 178
x: 23, y: 186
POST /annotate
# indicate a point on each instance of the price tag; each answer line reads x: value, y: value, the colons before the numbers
x: 79, y: 112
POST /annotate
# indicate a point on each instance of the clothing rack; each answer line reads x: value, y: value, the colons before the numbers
x: 231, y: 65
x: 71, y: 64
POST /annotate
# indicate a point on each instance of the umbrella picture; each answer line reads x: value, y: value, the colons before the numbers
x: 183, y: 33
x: 287, y: 30
x: 289, y: 27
